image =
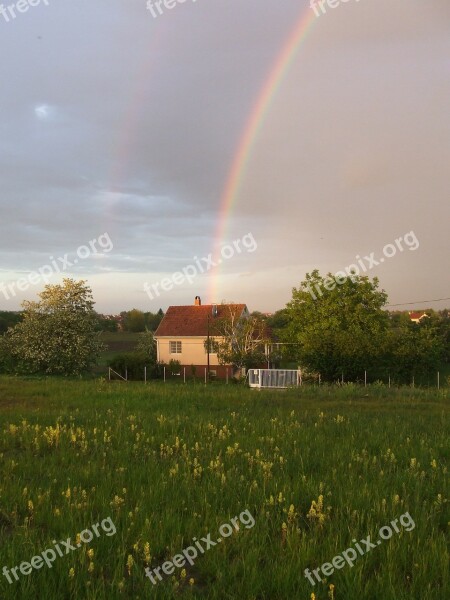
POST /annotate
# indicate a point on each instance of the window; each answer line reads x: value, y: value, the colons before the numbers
x: 175, y: 347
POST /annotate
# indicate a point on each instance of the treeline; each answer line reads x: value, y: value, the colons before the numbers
x: 345, y: 331
x: 133, y: 321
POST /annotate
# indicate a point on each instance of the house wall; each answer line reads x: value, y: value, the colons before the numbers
x: 192, y: 351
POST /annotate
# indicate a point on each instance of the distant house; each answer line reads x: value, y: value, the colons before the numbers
x: 182, y: 334
x: 416, y: 317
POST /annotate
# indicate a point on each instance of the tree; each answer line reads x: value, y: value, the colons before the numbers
x: 152, y: 320
x: 108, y: 324
x: 416, y: 349
x: 58, y: 334
x: 134, y: 321
x: 337, y: 325
x: 147, y: 346
x: 238, y: 340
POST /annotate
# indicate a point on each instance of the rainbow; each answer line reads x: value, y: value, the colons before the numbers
x: 253, y: 127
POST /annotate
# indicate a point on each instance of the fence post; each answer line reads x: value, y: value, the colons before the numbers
x: 438, y: 380
x: 164, y: 374
x: 109, y: 373
x: 300, y: 376
x: 205, y: 375
x: 184, y: 374
x: 145, y: 374
x: 320, y: 379
x: 126, y: 374
x: 365, y: 378
x: 227, y: 375
x: 389, y: 381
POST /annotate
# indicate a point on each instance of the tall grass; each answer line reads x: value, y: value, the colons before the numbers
x: 172, y: 462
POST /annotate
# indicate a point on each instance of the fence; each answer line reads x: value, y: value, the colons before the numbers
x: 166, y: 374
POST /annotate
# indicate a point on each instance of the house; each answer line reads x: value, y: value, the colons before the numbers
x: 183, y: 332
x: 416, y: 317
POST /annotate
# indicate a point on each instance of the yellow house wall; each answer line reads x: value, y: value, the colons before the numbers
x: 192, y: 351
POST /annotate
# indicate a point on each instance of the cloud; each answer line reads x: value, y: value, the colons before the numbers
x: 118, y: 122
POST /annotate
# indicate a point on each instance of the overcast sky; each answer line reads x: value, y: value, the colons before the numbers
x: 115, y: 122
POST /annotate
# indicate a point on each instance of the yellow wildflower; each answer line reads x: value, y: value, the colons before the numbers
x: 130, y: 563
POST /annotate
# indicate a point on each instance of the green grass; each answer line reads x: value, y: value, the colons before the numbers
x: 170, y: 462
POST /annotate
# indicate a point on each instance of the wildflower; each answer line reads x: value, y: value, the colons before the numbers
x: 147, y: 555
x: 191, y: 581
x: 72, y: 573
x: 331, y: 592
x: 91, y: 567
x: 117, y: 502
x: 130, y: 563
x: 90, y: 553
x: 183, y: 574
x: 291, y: 514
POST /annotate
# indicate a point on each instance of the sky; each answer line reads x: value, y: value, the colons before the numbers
x: 120, y: 130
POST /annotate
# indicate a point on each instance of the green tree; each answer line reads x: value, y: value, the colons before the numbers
x: 415, y: 349
x: 152, y: 320
x: 238, y: 340
x: 147, y: 346
x: 107, y: 324
x: 337, y: 325
x: 134, y: 321
x: 58, y: 334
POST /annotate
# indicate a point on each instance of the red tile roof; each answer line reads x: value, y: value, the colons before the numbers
x: 193, y: 320
x: 417, y: 315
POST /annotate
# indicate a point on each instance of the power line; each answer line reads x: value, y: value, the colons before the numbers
x: 419, y: 302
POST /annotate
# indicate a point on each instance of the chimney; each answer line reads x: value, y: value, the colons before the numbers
x: 214, y: 310
x: 197, y: 301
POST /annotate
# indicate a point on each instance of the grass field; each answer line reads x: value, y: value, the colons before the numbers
x: 314, y: 468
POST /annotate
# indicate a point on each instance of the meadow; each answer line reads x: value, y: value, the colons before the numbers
x: 315, y: 467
